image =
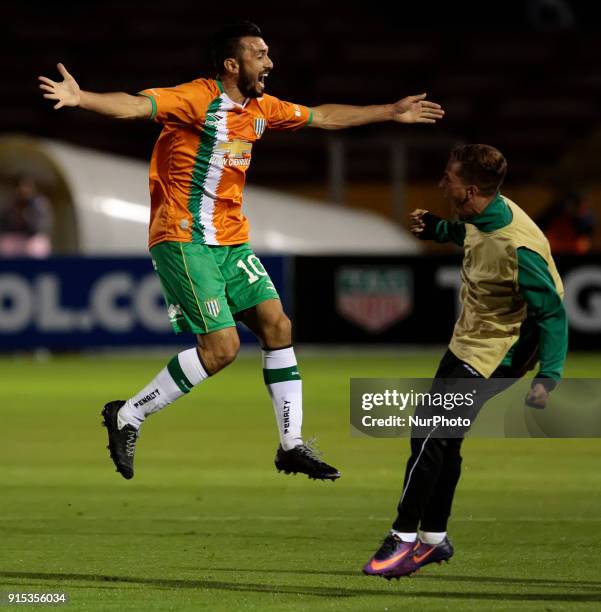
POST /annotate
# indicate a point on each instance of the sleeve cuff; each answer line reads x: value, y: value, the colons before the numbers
x: 310, y: 119
x: 430, y: 225
x: 153, y: 113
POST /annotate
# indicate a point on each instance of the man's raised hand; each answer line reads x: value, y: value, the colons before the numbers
x: 66, y: 92
x: 416, y: 109
x: 417, y: 224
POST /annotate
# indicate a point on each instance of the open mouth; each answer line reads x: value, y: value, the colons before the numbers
x: 262, y: 78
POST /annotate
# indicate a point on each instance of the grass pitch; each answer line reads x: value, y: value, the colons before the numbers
x: 208, y: 524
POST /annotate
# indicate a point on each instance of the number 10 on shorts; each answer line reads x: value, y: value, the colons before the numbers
x: 253, y: 267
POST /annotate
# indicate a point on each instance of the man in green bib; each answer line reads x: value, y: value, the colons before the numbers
x: 512, y: 316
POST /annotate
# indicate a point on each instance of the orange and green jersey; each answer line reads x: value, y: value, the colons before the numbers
x: 200, y: 159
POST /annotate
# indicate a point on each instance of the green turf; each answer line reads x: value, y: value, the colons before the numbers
x: 207, y: 523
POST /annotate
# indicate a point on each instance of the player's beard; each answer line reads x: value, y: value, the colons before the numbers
x: 247, y: 84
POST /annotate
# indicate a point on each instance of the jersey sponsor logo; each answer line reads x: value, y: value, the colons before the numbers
x: 230, y: 162
x: 234, y: 154
x: 260, y: 125
x: 213, y: 307
x: 236, y: 148
x: 297, y: 110
x: 374, y: 297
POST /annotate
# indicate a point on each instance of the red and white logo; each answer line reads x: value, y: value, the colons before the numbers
x: 374, y: 297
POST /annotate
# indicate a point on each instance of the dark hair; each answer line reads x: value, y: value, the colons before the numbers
x: 225, y: 42
x: 481, y: 165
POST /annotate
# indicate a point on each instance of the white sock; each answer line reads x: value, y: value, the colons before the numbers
x: 432, y: 537
x: 284, y: 385
x: 183, y: 372
x: 406, y: 536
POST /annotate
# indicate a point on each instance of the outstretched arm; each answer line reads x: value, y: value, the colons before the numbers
x: 119, y: 105
x: 426, y: 226
x: 412, y: 109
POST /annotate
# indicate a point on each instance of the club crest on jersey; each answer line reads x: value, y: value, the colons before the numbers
x: 374, y: 297
x: 213, y: 307
x: 260, y: 125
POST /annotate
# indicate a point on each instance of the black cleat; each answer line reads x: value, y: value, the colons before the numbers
x: 303, y: 459
x: 122, y: 440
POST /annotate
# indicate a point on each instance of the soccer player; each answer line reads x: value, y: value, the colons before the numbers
x: 199, y: 235
x: 512, y: 316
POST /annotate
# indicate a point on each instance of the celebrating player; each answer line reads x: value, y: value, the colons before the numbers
x: 512, y: 315
x: 199, y: 236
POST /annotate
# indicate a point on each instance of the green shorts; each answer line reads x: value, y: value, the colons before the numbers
x: 205, y: 286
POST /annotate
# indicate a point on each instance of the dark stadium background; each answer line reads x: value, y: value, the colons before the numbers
x: 207, y: 523
x: 523, y: 76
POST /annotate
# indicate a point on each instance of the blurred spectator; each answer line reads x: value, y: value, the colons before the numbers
x: 26, y: 222
x: 569, y: 224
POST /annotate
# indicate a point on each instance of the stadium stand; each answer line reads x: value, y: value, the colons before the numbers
x: 533, y: 94
x: 527, y: 92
